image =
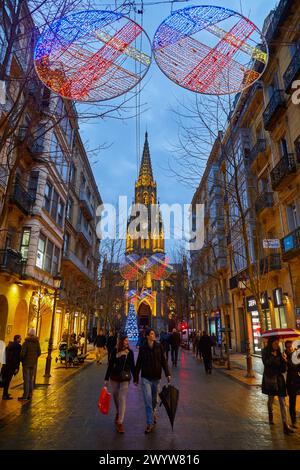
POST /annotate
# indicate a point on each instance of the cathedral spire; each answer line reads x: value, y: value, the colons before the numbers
x: 146, y: 174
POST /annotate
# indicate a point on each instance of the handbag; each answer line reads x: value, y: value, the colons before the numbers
x: 104, y: 401
x: 124, y: 375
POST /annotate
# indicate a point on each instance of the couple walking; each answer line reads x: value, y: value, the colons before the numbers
x: 151, y: 360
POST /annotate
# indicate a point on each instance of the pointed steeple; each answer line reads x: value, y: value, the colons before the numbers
x: 146, y: 174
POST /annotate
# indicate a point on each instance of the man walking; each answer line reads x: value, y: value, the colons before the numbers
x: 30, y: 353
x: 100, y: 343
x: 151, y: 360
x: 11, y: 368
x: 175, y: 343
x: 205, y: 345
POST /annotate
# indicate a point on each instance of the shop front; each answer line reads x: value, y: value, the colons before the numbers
x: 255, y: 321
x: 215, y: 326
x: 279, y: 308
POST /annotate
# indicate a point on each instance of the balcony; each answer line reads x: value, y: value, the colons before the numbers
x: 291, y: 245
x: 86, y: 206
x: 279, y: 16
x: 3, y: 175
x: 69, y: 256
x: 22, y: 199
x: 264, y: 201
x: 292, y: 73
x: 271, y: 262
x: 84, y: 234
x: 285, y: 167
x: 11, y: 261
x: 297, y: 150
x: 259, y: 147
x: 35, y: 145
x: 274, y: 109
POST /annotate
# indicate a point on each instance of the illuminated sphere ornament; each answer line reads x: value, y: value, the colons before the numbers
x: 210, y: 50
x: 92, y: 55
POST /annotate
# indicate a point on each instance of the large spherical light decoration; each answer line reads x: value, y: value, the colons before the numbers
x: 92, y: 55
x: 210, y: 50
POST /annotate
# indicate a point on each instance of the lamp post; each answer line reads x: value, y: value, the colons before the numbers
x: 250, y: 373
x: 57, y: 284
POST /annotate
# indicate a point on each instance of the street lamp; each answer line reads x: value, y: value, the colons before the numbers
x: 250, y: 374
x: 57, y: 280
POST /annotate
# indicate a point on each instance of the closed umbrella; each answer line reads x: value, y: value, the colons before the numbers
x: 169, y: 398
x: 281, y: 333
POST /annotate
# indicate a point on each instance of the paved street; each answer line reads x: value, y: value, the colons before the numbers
x: 215, y: 412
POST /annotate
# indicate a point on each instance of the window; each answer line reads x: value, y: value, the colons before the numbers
x: 60, y: 213
x: 72, y: 173
x: 33, y: 183
x: 54, y: 205
x: 25, y: 243
x: 49, y: 255
x: 55, y: 264
x: 58, y: 158
x: 48, y: 196
x: 70, y: 206
x: 66, y: 242
x: 40, y: 257
x: 292, y: 216
x: 283, y: 147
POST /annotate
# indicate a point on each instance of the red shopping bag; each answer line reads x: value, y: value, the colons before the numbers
x: 104, y: 401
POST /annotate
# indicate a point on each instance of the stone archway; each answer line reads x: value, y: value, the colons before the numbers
x: 144, y: 314
x: 21, y: 320
x: 3, y: 316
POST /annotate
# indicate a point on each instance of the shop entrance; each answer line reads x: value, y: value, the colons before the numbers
x: 144, y: 315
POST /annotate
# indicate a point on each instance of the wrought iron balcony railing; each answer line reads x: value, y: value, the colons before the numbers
x: 293, y: 70
x: 272, y: 262
x: 263, y: 201
x: 11, y: 261
x: 84, y: 233
x: 286, y: 166
x: 276, y: 104
x: 22, y: 199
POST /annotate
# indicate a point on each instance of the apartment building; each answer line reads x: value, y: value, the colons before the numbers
x: 264, y: 134
x: 40, y: 156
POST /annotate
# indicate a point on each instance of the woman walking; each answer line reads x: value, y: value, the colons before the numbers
x: 273, y: 383
x: 120, y: 368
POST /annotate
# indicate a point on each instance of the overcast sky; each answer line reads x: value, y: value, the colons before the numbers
x: 115, y: 168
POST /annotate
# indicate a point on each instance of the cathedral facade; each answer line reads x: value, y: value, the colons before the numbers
x: 145, y: 252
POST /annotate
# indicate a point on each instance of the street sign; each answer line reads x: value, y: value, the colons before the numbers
x: 272, y: 243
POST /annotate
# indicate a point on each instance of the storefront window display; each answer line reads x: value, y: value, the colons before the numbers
x: 279, y: 308
x: 255, y: 323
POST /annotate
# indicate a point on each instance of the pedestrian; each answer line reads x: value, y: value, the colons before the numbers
x: 142, y: 339
x: 205, y: 345
x: 81, y: 343
x: 174, y: 343
x: 198, y: 337
x: 165, y: 342
x: 120, y: 368
x: 99, y: 344
x: 273, y: 383
x: 292, y: 380
x: 151, y: 360
x: 111, y: 343
x: 12, y: 365
x: 30, y: 352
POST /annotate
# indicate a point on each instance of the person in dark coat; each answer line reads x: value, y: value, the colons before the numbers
x: 151, y: 360
x: 111, y: 344
x: 121, y: 360
x: 205, y: 345
x: 174, y: 343
x: 292, y: 380
x: 30, y: 353
x: 11, y: 368
x: 100, y: 344
x: 165, y: 342
x: 273, y: 383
